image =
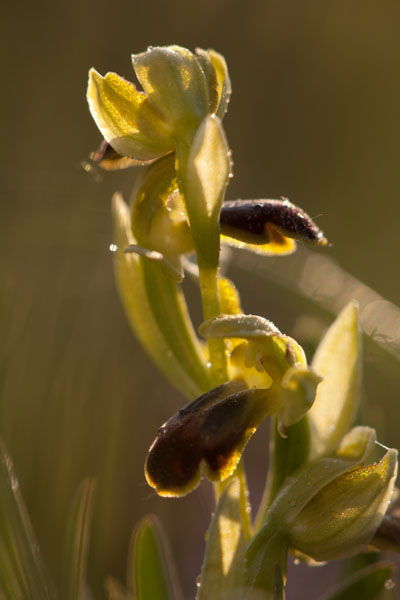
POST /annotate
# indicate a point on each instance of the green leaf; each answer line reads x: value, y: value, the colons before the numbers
x: 151, y: 572
x: 222, y: 574
x: 157, y: 312
x: 366, y: 584
x: 77, y: 542
x: 22, y: 573
x: 338, y: 361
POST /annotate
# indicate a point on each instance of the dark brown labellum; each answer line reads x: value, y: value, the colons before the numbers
x: 213, y: 429
x: 253, y: 221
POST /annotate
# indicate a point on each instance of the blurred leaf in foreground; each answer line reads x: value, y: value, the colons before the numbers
x: 77, y: 542
x: 151, y: 572
x: 22, y: 573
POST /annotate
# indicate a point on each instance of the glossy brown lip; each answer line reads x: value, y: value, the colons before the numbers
x: 251, y: 221
x: 213, y: 430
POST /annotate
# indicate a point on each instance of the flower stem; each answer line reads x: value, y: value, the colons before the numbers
x: 205, y: 233
x: 212, y: 308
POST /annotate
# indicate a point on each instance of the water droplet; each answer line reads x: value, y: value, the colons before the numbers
x: 296, y: 561
x: 209, y: 365
x: 113, y: 247
x: 389, y: 584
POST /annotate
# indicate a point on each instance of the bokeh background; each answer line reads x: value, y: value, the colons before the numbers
x: 314, y: 116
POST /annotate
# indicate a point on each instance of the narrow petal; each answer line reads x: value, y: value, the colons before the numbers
x: 223, y: 81
x: 238, y: 326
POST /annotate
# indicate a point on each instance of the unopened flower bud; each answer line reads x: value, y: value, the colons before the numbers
x: 342, y: 518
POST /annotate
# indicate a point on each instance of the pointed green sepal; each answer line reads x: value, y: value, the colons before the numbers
x: 175, y: 85
x: 126, y: 119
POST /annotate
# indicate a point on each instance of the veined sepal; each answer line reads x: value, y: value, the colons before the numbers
x: 179, y: 89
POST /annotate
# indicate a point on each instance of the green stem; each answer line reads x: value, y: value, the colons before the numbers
x: 212, y: 308
x: 286, y: 455
x: 205, y: 233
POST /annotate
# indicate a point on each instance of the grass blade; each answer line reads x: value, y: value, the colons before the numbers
x: 22, y: 573
x: 77, y: 542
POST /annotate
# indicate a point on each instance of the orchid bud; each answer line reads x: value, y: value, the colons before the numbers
x: 341, y: 519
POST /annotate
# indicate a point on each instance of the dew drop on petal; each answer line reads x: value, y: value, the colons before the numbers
x: 113, y: 247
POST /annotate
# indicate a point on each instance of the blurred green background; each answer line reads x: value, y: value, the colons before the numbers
x: 314, y: 116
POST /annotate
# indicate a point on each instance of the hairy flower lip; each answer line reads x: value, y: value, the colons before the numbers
x: 211, y: 433
x: 250, y: 221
